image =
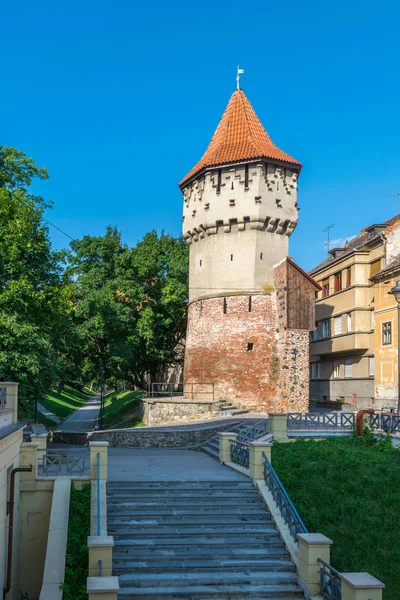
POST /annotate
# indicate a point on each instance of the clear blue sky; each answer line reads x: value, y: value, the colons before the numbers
x: 119, y: 100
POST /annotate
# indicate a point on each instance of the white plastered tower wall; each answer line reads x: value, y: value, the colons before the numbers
x: 237, y: 220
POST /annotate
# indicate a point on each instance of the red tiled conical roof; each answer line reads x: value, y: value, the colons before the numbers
x: 239, y: 136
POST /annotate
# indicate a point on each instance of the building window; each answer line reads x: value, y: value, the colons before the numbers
x: 316, y: 370
x: 348, y: 367
x: 338, y: 325
x: 207, y: 206
x: 250, y: 346
x: 325, y: 288
x: 278, y: 186
x: 246, y: 176
x: 315, y: 334
x: 348, y: 322
x: 386, y: 333
x: 249, y: 303
x: 201, y: 262
x: 261, y: 255
x: 336, y: 369
x: 325, y: 328
x: 375, y: 267
x: 231, y: 256
x: 231, y: 202
x: 338, y: 281
x: 372, y: 320
x: 371, y: 366
x: 225, y: 306
x: 219, y: 177
x: 348, y: 277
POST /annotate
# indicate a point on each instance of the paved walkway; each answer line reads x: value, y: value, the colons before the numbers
x: 129, y: 464
x: 83, y: 419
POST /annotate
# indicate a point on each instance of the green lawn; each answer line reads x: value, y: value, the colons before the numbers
x: 121, y: 409
x: 65, y: 403
x: 349, y: 490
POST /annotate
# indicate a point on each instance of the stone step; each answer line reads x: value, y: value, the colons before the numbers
x: 204, y: 565
x: 171, y: 501
x: 188, y: 495
x: 181, y: 579
x: 237, y: 529
x: 216, y: 552
x: 188, y: 521
x: 248, y: 539
x: 234, y: 483
x: 210, y: 451
x: 211, y: 592
x: 178, y: 510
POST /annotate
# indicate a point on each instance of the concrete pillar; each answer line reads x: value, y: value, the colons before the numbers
x: 361, y: 586
x: 256, y: 458
x: 95, y: 449
x: 278, y: 426
x: 102, y: 588
x: 225, y: 438
x: 29, y: 457
x: 100, y: 549
x: 12, y: 397
x: 41, y: 440
x: 312, y: 546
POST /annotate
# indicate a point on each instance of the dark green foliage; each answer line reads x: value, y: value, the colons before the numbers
x: 349, y: 490
x: 77, y: 557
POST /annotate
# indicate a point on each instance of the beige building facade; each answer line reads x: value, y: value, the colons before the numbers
x: 386, y: 334
x: 342, y: 347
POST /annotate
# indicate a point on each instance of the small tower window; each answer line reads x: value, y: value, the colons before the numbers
x: 246, y: 176
x: 225, y: 306
x: 231, y: 202
x: 278, y: 186
x: 201, y: 262
x: 250, y: 346
x: 249, y: 303
x: 232, y: 185
x: 261, y: 255
x: 194, y: 213
x: 219, y: 181
x: 207, y: 206
x: 231, y: 256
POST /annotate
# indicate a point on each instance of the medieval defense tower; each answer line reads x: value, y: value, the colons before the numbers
x: 250, y: 307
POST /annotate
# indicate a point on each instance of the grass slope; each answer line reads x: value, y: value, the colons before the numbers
x: 349, y: 490
x: 65, y: 403
x: 121, y: 409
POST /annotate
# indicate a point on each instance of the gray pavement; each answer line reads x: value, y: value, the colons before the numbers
x: 83, y: 419
x: 129, y: 464
x: 48, y: 413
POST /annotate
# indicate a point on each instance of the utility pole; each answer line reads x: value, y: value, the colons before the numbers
x: 328, y: 229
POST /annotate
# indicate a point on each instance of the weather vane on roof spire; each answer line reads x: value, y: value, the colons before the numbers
x: 239, y: 72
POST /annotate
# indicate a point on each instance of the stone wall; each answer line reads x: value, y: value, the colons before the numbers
x: 173, y: 436
x: 233, y: 342
x: 155, y: 412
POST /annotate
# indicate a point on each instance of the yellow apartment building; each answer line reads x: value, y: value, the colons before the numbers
x: 342, y: 354
x: 385, y: 335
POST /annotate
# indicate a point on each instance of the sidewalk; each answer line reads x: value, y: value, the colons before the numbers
x: 83, y: 419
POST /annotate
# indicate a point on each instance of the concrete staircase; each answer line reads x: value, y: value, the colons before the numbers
x: 197, y: 540
x: 226, y: 409
x: 247, y: 433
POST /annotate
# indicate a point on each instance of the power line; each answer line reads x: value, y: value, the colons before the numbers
x: 60, y: 230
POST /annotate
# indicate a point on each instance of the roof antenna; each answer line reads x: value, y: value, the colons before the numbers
x: 238, y: 73
x: 328, y: 229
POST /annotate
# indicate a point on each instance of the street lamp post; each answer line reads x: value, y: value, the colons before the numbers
x: 101, y: 371
x: 396, y: 293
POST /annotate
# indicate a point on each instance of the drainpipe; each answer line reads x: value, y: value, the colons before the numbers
x: 7, y: 586
x: 360, y: 419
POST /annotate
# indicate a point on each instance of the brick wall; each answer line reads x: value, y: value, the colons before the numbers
x: 268, y: 377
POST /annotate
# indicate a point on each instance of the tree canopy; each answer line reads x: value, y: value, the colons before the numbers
x: 100, y: 304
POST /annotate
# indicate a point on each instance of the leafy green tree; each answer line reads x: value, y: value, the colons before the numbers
x: 130, y: 304
x: 30, y: 281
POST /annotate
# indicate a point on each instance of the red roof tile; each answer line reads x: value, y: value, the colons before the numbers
x: 239, y: 136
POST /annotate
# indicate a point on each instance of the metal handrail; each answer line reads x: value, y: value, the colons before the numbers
x: 168, y: 390
x: 340, y: 420
x: 98, y: 495
x: 282, y: 500
x: 330, y: 582
x: 240, y: 454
